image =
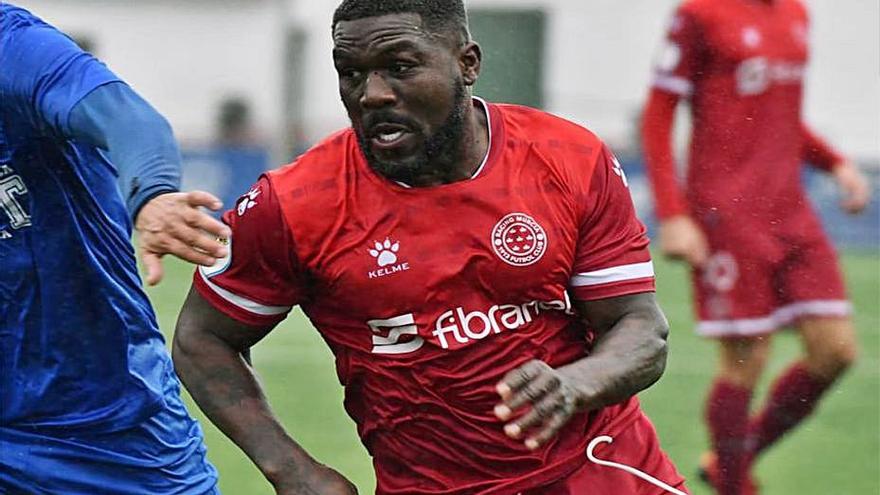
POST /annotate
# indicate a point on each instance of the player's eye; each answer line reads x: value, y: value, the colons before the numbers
x: 401, y: 68
x: 349, y: 73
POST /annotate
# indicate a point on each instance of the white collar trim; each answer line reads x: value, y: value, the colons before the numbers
x: 488, y: 148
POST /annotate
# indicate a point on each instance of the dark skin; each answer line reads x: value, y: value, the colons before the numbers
x: 398, y: 83
x: 395, y: 76
x: 629, y: 355
x: 210, y: 356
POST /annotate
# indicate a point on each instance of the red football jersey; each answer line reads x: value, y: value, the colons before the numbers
x: 741, y: 64
x: 428, y: 296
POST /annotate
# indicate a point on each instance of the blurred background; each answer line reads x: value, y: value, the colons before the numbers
x: 249, y: 84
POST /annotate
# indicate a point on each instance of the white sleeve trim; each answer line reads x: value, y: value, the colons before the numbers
x: 244, y: 303
x: 614, y: 274
x: 673, y: 84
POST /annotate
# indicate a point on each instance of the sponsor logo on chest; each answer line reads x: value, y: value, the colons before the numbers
x: 457, y: 327
x: 386, y: 258
x: 462, y: 326
x: 756, y: 74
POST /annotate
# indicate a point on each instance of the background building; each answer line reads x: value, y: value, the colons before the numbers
x: 586, y: 60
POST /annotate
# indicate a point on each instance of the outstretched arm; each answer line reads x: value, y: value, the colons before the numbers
x: 66, y: 93
x: 208, y: 351
x: 628, y: 357
x: 140, y: 143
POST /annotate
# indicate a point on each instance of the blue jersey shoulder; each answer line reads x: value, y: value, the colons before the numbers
x: 45, y: 73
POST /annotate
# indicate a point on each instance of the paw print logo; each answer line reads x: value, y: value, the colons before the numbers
x: 385, y: 252
x: 248, y: 201
x: 618, y: 169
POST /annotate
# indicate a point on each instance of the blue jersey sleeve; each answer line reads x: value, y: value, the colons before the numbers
x: 138, y: 139
x: 44, y: 72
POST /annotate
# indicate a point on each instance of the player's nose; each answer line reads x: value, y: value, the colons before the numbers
x: 377, y: 92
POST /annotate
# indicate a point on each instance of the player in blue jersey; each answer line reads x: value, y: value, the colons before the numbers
x: 89, y: 401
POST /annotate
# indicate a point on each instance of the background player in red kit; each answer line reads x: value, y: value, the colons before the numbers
x: 477, y: 270
x: 760, y: 258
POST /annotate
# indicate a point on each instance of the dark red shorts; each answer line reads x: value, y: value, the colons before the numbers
x: 753, y: 287
x: 637, y: 447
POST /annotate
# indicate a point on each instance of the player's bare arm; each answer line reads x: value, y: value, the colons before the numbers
x: 853, y: 186
x: 850, y: 180
x: 629, y: 356
x: 681, y: 239
x: 208, y: 353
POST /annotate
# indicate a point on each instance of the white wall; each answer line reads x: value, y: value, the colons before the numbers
x: 843, y: 85
x: 599, y: 59
x: 184, y: 55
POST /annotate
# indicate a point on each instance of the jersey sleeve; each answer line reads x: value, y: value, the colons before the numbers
x: 612, y: 257
x: 260, y: 279
x: 680, y: 56
x: 817, y: 152
x: 656, y: 132
x: 45, y: 74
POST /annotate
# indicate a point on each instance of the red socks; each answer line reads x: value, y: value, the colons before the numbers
x: 736, y: 440
x: 727, y: 414
x: 792, y: 398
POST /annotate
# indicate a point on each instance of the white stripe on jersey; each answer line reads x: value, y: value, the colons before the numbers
x: 779, y: 318
x: 614, y: 274
x: 244, y: 303
x: 673, y: 84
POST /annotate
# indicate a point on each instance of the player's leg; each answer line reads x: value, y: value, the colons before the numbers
x: 741, y: 362
x: 815, y: 287
x: 830, y: 346
x: 736, y: 301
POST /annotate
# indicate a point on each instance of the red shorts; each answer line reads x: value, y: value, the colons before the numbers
x: 636, y: 447
x: 755, y: 283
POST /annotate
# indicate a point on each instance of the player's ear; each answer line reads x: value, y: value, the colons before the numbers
x: 469, y: 60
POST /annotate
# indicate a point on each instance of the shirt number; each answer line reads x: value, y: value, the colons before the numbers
x: 11, y: 188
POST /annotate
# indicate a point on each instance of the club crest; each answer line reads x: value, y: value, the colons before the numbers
x: 519, y: 240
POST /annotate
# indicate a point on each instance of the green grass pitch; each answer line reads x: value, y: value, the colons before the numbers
x: 837, y: 451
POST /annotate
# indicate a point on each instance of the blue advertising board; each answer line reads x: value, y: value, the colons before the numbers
x: 228, y: 172
x: 847, y: 231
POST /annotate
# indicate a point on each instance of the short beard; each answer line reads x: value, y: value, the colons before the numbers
x: 440, y: 152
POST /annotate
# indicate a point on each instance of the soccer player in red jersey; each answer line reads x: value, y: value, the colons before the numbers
x: 477, y: 270
x: 761, y: 261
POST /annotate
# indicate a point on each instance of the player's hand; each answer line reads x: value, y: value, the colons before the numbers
x: 537, y: 401
x: 856, y: 193
x: 317, y: 479
x: 682, y: 239
x: 172, y: 223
